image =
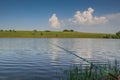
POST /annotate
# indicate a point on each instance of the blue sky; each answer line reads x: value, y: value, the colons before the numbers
x: 61, y: 14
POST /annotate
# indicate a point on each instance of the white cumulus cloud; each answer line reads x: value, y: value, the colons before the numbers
x: 86, y: 17
x: 54, y: 22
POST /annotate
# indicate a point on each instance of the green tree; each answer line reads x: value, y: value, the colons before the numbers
x: 47, y: 31
x: 68, y: 30
x: 118, y: 33
x: 56, y: 35
x: 41, y: 34
x: 65, y: 30
x: 34, y: 30
x: 10, y: 30
x: 71, y: 30
x: 1, y: 30
x: 14, y: 30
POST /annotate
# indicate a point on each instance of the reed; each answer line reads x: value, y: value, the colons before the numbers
x: 88, y: 72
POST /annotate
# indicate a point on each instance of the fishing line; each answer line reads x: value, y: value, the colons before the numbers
x: 97, y: 67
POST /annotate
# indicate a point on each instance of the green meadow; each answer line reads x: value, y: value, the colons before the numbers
x: 49, y: 34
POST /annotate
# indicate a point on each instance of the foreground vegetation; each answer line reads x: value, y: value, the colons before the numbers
x: 49, y: 34
x: 91, y: 73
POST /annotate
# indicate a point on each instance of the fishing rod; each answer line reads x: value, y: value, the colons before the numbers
x: 97, y: 67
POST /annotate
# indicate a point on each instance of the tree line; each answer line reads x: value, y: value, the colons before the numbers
x: 109, y: 36
x: 65, y: 30
x: 116, y: 36
x: 8, y: 30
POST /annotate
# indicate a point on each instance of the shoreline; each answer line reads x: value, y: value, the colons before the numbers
x: 52, y: 34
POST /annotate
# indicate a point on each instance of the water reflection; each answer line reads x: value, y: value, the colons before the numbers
x: 74, y: 45
x: 81, y: 49
x: 53, y: 49
x: 38, y: 58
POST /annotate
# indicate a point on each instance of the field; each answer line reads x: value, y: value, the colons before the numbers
x: 47, y: 34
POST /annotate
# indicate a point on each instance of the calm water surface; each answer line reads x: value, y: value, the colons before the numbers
x: 38, y: 59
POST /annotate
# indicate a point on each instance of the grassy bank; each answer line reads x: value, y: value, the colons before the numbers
x: 47, y: 34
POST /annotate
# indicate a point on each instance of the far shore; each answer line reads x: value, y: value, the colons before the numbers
x: 51, y: 34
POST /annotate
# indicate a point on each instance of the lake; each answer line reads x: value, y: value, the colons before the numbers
x: 39, y: 59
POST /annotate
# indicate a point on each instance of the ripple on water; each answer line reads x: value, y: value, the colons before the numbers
x: 37, y: 59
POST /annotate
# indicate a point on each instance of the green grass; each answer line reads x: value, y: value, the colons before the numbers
x: 43, y: 34
x: 91, y: 73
